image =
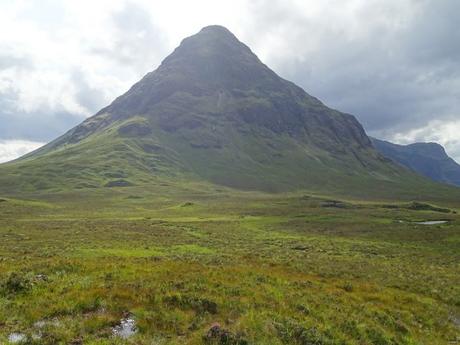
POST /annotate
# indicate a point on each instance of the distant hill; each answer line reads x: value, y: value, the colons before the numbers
x: 427, y: 159
x: 213, y: 112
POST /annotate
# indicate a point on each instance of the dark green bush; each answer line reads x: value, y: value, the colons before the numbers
x: 16, y: 283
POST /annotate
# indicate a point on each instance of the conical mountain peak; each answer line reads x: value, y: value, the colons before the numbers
x: 214, y: 111
x: 209, y: 61
x: 212, y: 76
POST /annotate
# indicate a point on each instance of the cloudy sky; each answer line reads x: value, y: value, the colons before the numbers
x: 394, y: 64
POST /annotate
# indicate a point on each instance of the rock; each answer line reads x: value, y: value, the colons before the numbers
x: 76, y: 341
x: 218, y: 335
x: 41, y: 277
x: 300, y: 247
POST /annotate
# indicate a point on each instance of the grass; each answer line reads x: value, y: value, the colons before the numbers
x: 269, y: 269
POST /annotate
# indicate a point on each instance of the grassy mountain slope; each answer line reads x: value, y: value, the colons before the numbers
x: 274, y: 163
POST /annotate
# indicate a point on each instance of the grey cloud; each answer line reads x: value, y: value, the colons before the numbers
x: 87, y: 96
x: 40, y: 125
x: 393, y: 77
x: 139, y: 43
x: 435, y: 33
x: 454, y: 152
x: 45, y: 123
x: 19, y: 62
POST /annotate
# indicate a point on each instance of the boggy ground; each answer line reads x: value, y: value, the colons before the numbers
x: 227, y: 268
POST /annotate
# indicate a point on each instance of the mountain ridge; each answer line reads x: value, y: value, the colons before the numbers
x: 428, y: 159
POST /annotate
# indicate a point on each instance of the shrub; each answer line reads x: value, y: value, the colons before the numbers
x: 377, y: 337
x: 348, y: 287
x: 16, y: 283
x: 292, y: 332
x: 217, y: 335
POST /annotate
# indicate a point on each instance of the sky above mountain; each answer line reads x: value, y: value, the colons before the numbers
x: 391, y: 63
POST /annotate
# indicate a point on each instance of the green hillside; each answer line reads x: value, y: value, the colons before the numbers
x: 249, y: 162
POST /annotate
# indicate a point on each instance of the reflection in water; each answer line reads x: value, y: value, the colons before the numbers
x: 125, y: 329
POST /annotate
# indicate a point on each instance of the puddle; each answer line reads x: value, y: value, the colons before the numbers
x: 432, y: 222
x: 126, y: 328
x: 427, y: 222
x: 16, y: 338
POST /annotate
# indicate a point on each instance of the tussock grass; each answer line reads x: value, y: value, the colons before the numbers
x: 267, y: 269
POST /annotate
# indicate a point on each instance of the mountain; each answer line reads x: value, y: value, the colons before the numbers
x: 214, y: 113
x: 427, y: 159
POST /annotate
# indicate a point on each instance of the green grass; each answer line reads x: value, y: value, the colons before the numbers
x: 270, y: 269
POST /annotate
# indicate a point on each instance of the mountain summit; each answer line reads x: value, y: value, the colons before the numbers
x: 213, y: 112
x: 212, y: 76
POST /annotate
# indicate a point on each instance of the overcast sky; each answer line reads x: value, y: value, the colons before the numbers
x: 394, y: 64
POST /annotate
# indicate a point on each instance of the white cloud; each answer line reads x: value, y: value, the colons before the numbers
x: 444, y: 133
x: 12, y: 149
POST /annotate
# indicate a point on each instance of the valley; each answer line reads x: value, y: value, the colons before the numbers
x: 259, y: 268
x: 218, y: 203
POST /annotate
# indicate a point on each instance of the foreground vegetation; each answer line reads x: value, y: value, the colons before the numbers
x: 227, y: 268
